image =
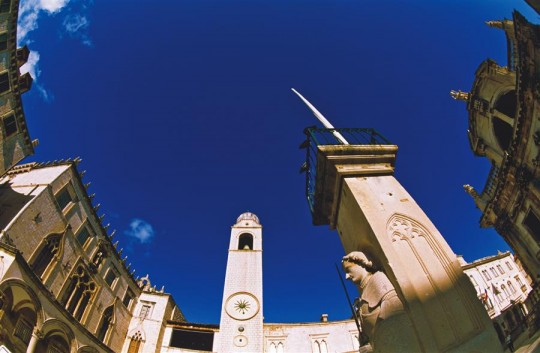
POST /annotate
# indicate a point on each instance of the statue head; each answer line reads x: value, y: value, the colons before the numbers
x: 357, y: 266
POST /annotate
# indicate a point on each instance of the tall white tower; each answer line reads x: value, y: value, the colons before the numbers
x: 241, y: 325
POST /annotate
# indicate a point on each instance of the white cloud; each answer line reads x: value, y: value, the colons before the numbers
x: 31, y: 65
x: 140, y: 230
x: 53, y: 6
x: 76, y: 26
x: 29, y: 12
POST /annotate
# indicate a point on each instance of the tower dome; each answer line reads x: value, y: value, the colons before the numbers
x: 248, y: 216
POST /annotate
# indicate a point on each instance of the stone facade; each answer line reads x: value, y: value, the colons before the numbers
x: 15, y: 142
x: 61, y: 276
x: 504, y: 127
x: 502, y: 288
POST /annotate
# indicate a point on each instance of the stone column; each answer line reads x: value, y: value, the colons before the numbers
x: 357, y: 194
x: 37, y: 335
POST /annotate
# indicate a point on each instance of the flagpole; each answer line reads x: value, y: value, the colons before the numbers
x: 321, y: 118
x: 350, y: 305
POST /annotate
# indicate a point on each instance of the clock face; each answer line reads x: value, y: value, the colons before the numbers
x: 242, y: 306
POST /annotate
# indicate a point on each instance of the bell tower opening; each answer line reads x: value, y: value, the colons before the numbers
x: 245, y: 241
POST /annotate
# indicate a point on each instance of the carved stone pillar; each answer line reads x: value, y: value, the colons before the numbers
x: 357, y: 194
x: 37, y: 335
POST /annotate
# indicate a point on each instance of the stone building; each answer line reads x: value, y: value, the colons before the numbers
x: 504, y: 127
x: 15, y: 142
x: 503, y: 289
x: 64, y: 287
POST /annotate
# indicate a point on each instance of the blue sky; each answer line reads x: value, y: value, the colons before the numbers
x: 183, y: 115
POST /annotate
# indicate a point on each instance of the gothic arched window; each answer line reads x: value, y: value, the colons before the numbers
x: 135, y: 343
x: 49, y: 250
x: 78, y: 293
x: 106, y: 324
x: 245, y: 241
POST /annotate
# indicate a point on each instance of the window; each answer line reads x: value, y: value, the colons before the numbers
x: 505, y: 290
x: 520, y: 283
x: 486, y: 275
x: 146, y: 311
x: 319, y: 346
x: 63, y: 198
x: 57, y: 345
x: 10, y: 125
x: 245, y: 242
x: 473, y: 281
x: 49, y: 250
x: 508, y: 265
x: 128, y: 297
x: 493, y: 272
x: 276, y: 347
x: 4, y: 81
x: 83, y: 235
x: 532, y: 223
x: 78, y: 293
x: 3, y: 41
x: 511, y: 286
x: 105, y: 325
x: 501, y: 271
x: 5, y: 6
x: 111, y: 276
x: 23, y: 330
x: 135, y: 343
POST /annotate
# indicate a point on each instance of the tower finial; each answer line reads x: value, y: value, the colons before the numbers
x: 495, y: 24
x: 459, y: 95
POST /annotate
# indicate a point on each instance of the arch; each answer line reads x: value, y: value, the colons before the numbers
x: 503, y: 132
x: 55, y: 342
x: 137, y: 332
x: 78, y: 292
x: 245, y: 241
x: 106, y: 324
x: 56, y: 327
x: 506, y: 103
x: 48, y: 252
x: 21, y: 293
x: 280, y: 347
x: 87, y: 349
x: 136, y: 342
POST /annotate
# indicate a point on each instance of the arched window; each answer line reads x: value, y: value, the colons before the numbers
x: 507, y: 104
x: 135, y: 343
x: 324, y: 347
x: 511, y: 286
x: 280, y: 348
x: 505, y: 290
x: 503, y: 132
x: 105, y: 325
x: 78, y: 293
x: 272, y: 348
x: 57, y: 344
x: 50, y: 249
x: 245, y: 242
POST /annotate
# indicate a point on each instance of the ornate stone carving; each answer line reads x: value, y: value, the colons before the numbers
x: 400, y: 228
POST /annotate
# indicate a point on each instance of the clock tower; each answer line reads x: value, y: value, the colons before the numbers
x: 241, y: 325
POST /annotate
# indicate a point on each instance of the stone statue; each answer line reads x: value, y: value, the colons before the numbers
x: 380, y: 310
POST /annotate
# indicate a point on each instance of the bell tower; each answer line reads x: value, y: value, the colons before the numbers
x: 241, y: 325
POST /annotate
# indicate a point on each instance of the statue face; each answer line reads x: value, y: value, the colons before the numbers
x: 354, y: 272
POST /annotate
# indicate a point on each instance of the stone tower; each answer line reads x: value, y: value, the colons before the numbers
x: 241, y: 325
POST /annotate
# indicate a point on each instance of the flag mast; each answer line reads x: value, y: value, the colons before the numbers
x: 321, y: 118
